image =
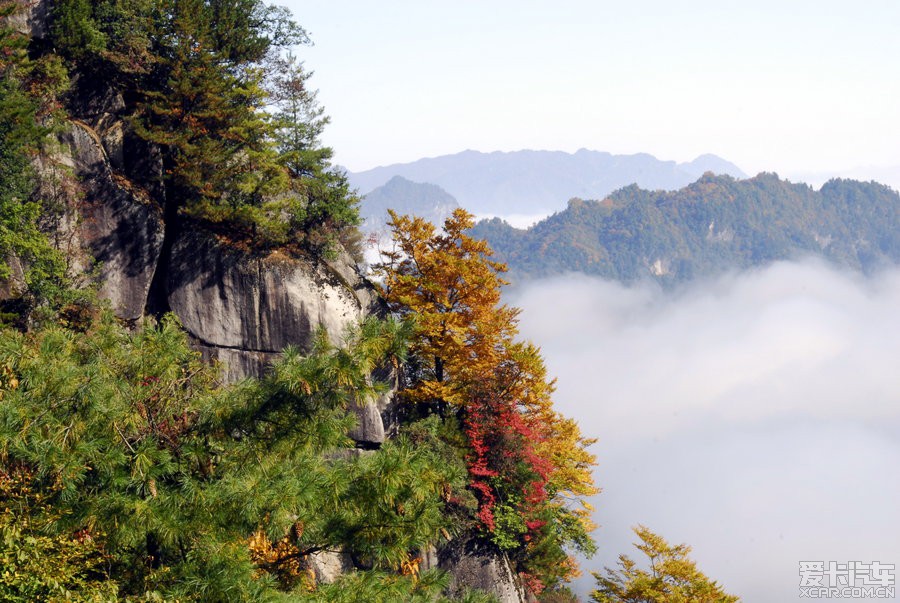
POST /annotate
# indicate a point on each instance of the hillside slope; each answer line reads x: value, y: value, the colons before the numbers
x: 405, y: 197
x: 715, y: 224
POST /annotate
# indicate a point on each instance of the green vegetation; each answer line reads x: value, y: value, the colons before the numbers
x: 125, y: 471
x: 716, y: 224
x: 211, y: 85
x: 29, y: 266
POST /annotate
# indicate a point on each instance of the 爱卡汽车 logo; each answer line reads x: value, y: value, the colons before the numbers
x: 849, y: 580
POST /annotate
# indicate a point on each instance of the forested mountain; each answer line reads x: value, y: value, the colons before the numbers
x: 427, y: 201
x: 717, y: 223
x: 532, y: 182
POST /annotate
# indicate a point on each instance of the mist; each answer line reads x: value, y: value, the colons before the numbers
x: 755, y: 417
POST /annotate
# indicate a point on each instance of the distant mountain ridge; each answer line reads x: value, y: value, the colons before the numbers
x: 428, y: 201
x: 715, y: 224
x: 527, y: 181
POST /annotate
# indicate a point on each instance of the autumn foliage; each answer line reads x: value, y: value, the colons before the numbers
x: 671, y: 576
x: 528, y: 466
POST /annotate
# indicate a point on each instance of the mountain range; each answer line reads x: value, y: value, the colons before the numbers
x: 715, y: 224
x: 539, y: 182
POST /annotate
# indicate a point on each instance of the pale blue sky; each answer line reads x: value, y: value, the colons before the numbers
x: 787, y: 86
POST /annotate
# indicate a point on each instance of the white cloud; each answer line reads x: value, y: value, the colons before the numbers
x: 756, y: 417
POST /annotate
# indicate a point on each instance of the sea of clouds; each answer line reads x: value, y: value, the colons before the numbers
x: 755, y: 417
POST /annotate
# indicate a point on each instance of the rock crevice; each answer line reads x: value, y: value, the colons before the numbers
x: 240, y: 309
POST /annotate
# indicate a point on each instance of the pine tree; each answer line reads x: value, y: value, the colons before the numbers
x: 74, y: 30
x: 220, y: 159
x: 329, y: 209
x: 201, y: 493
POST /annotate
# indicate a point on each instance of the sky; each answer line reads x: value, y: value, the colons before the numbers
x: 755, y: 417
x: 804, y: 87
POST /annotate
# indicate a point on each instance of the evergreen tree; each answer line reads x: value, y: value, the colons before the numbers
x: 200, y: 493
x: 74, y: 29
x: 31, y: 268
x: 220, y: 161
x: 329, y: 208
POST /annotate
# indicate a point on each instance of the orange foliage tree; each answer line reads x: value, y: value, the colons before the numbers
x: 529, y: 467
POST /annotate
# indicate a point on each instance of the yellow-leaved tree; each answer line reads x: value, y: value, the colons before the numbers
x: 529, y: 467
x: 671, y: 578
x: 448, y: 282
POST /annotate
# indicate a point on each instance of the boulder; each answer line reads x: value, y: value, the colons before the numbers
x: 228, y: 299
x: 31, y: 18
x: 328, y: 566
x: 478, y: 567
x: 369, y: 430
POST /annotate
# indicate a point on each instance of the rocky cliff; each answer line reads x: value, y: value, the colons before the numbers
x: 240, y: 307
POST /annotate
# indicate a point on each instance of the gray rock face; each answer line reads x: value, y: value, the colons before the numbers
x: 328, y: 566
x: 31, y: 18
x: 231, y: 300
x: 241, y: 310
x: 103, y: 111
x: 236, y: 364
x: 14, y: 285
x: 116, y: 224
x: 369, y: 426
x: 474, y: 567
x: 244, y: 310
